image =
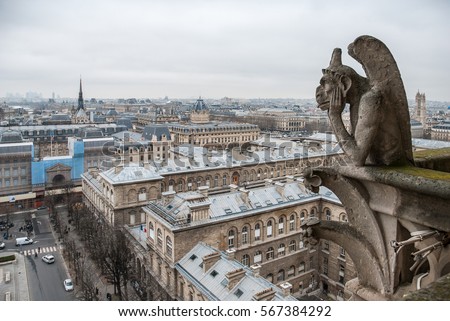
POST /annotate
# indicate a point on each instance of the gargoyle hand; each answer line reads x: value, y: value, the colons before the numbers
x: 337, y: 102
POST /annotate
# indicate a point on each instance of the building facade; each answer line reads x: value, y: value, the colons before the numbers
x: 260, y: 228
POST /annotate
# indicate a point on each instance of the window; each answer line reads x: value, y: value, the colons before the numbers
x: 269, y: 277
x: 341, y: 274
x: 245, y: 235
x: 214, y: 273
x: 292, y: 222
x: 313, y: 212
x: 302, y: 216
x: 326, y: 245
x: 257, y: 257
x: 281, y: 225
x: 328, y: 215
x: 325, y: 266
x: 292, y: 246
x: 160, y: 239
x: 257, y: 232
x: 301, y: 267
x: 151, y: 231
x: 230, y: 239
x: 291, y: 271
x: 224, y: 180
x: 280, y: 276
x: 342, y: 253
x: 281, y: 249
x: 168, y: 246
x: 269, y: 254
x: 245, y: 260
x: 269, y: 229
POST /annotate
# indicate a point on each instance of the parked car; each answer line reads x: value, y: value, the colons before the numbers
x: 2, y: 245
x: 68, y: 285
x: 43, y: 207
x: 49, y: 259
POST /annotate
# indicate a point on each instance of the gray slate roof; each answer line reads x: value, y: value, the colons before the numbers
x: 214, y: 285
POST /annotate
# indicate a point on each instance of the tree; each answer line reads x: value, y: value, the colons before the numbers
x: 118, y: 261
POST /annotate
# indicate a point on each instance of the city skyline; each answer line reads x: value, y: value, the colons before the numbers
x: 252, y: 49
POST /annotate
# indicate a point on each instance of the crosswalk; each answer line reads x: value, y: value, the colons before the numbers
x: 42, y: 250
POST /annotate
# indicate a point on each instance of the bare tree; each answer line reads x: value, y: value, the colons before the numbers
x: 118, y: 261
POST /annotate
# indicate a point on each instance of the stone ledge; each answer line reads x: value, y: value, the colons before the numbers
x: 437, y: 291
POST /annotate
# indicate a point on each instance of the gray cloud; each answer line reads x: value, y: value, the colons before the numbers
x: 213, y: 48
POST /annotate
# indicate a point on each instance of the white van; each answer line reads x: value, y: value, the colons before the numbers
x: 23, y: 241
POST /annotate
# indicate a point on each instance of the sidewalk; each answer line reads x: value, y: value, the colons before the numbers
x: 17, y: 287
x: 102, y: 283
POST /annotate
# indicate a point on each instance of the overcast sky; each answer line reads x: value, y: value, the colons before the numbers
x: 212, y: 48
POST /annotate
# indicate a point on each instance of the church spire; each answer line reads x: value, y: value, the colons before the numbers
x: 80, y: 97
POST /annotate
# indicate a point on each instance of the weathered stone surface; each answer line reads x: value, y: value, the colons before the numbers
x: 380, y: 125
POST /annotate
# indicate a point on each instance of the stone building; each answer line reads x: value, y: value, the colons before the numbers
x: 441, y: 131
x: 260, y: 228
x: 200, y: 131
x: 16, y: 155
x: 118, y: 194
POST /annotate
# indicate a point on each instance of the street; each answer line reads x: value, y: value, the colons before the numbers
x: 45, y: 281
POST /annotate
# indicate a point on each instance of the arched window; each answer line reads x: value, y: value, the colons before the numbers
x: 257, y: 232
x: 160, y: 239
x: 245, y: 260
x: 281, y: 249
x: 343, y: 217
x: 280, y: 276
x: 216, y: 181
x: 224, y: 180
x: 281, y: 225
x: 168, y: 246
x: 328, y: 214
x: 245, y: 235
x: 269, y: 277
x: 313, y: 212
x: 269, y: 254
x: 292, y: 246
x: 151, y: 231
x: 292, y: 223
x: 291, y: 271
x: 257, y: 258
x: 269, y: 228
x: 301, y: 267
x: 302, y: 216
x: 230, y: 239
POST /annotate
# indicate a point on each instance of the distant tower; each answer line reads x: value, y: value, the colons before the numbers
x: 80, y: 98
x: 200, y: 112
x: 420, y: 110
x: 80, y: 116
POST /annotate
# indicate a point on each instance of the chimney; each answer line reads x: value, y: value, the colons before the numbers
x: 230, y: 254
x: 244, y: 196
x: 168, y: 196
x: 209, y: 260
x: 93, y: 171
x: 234, y: 277
x: 279, y: 187
x: 118, y: 169
x: 267, y: 182
x: 233, y: 187
x: 265, y: 295
x: 286, y: 288
x: 203, y: 190
x: 256, y: 268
